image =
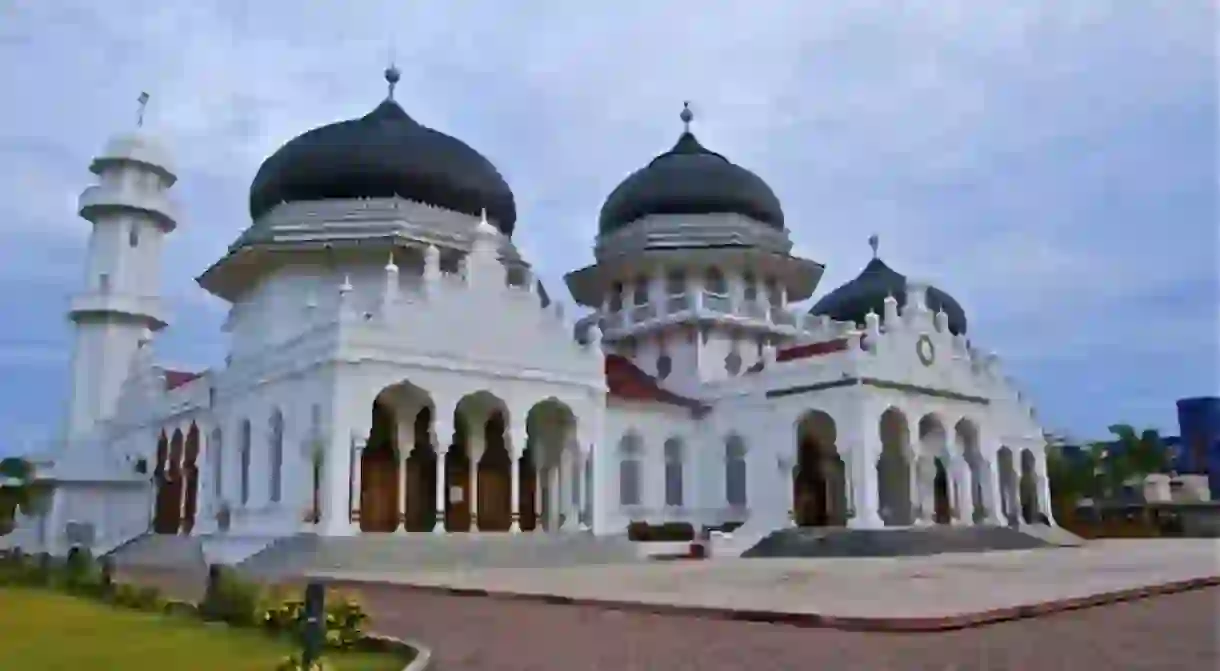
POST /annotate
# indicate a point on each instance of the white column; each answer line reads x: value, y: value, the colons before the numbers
x: 554, y: 494
x: 475, y: 446
x: 567, y: 487
x: 865, y: 444
x: 540, y: 483
x: 1043, y: 487
x: 514, y: 441
x: 785, y: 464
x: 337, y: 481
x: 442, y: 435
x: 406, y: 443
x: 962, y: 494
x: 356, y: 480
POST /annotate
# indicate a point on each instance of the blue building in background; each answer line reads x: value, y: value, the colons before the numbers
x: 1199, y: 446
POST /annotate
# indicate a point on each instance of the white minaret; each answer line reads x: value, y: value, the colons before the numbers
x: 131, y: 213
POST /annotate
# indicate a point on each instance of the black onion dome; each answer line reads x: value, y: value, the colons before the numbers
x: 690, y: 179
x: 852, y: 301
x: 384, y: 154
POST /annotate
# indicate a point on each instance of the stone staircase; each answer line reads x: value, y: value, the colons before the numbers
x: 160, y: 551
x: 903, y: 542
x: 1057, y: 536
x: 384, y: 553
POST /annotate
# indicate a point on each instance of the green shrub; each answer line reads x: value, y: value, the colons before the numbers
x: 149, y: 599
x: 81, y: 574
x: 345, y: 619
x: 231, y: 599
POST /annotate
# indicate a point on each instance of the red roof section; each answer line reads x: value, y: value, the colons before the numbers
x: 177, y: 378
x: 811, y: 350
x: 627, y: 381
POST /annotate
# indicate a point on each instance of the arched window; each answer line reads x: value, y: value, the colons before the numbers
x: 715, y: 282
x: 629, y: 470
x: 276, y: 455
x: 673, y: 473
x: 218, y: 472
x: 244, y: 448
x: 735, y: 471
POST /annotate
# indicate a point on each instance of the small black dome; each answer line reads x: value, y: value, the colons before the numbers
x: 690, y: 179
x: 383, y: 154
x: 852, y: 301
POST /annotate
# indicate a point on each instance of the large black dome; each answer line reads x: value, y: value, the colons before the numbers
x: 867, y: 293
x: 690, y: 179
x: 383, y: 154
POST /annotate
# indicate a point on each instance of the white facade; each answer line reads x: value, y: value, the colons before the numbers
x: 430, y: 311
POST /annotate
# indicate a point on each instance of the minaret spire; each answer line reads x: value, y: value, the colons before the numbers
x: 874, y: 241
x: 686, y: 116
x: 143, y: 100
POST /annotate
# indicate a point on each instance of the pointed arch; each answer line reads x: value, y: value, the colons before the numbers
x: 244, y: 446
x: 630, y: 469
x: 675, y: 473
x: 190, y: 479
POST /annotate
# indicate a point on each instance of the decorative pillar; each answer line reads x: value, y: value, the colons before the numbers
x: 554, y: 509
x: 540, y: 482
x: 406, y: 443
x: 442, y: 431
x: 1043, y: 486
x: 963, y: 493
x: 514, y: 441
x: 476, y: 444
x: 863, y: 472
x: 357, y: 462
x: 785, y: 464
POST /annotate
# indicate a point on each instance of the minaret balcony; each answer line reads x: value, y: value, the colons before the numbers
x: 149, y: 308
x: 96, y: 200
x: 711, y: 307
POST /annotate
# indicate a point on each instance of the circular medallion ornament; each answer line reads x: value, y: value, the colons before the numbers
x: 925, y: 350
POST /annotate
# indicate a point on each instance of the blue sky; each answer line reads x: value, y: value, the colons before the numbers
x: 1051, y: 162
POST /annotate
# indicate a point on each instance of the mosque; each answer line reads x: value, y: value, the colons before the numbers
x: 395, y: 367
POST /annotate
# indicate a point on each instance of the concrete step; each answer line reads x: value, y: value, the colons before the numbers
x: 901, y: 542
x: 1057, y: 536
x: 396, y: 552
x: 161, y: 551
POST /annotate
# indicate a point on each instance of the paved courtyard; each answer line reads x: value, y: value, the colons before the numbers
x: 1179, y: 632
x: 913, y: 587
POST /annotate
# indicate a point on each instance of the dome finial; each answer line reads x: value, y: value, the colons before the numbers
x: 686, y: 116
x: 143, y: 100
x: 392, y: 75
x: 874, y: 241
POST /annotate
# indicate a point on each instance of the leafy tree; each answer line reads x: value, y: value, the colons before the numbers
x: 1144, y: 452
x: 17, y: 491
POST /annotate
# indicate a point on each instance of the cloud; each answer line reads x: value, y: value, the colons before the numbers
x: 1050, y: 163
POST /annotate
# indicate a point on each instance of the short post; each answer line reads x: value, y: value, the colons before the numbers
x: 314, y: 631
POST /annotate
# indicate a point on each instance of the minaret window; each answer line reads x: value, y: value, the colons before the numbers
x: 732, y: 363
x: 641, y: 291
x: 665, y: 366
x: 715, y: 282
x: 276, y: 454
x: 133, y: 235
x: 773, y: 294
x: 675, y: 289
x: 218, y: 472
x: 616, y: 297
x: 749, y: 288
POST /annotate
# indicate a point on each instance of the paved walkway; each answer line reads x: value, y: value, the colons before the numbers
x: 939, y: 586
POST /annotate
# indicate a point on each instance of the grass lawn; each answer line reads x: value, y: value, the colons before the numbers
x: 49, y: 631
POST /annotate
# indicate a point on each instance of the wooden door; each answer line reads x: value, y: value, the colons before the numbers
x: 528, y: 487
x: 378, y: 490
x: 942, y: 508
x: 457, y: 481
x: 421, y: 491
x: 494, y: 497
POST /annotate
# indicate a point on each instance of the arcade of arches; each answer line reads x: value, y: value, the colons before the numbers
x: 177, y: 482
x: 940, y: 478
x: 483, y: 477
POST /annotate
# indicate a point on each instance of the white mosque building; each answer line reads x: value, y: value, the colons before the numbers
x: 394, y: 367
